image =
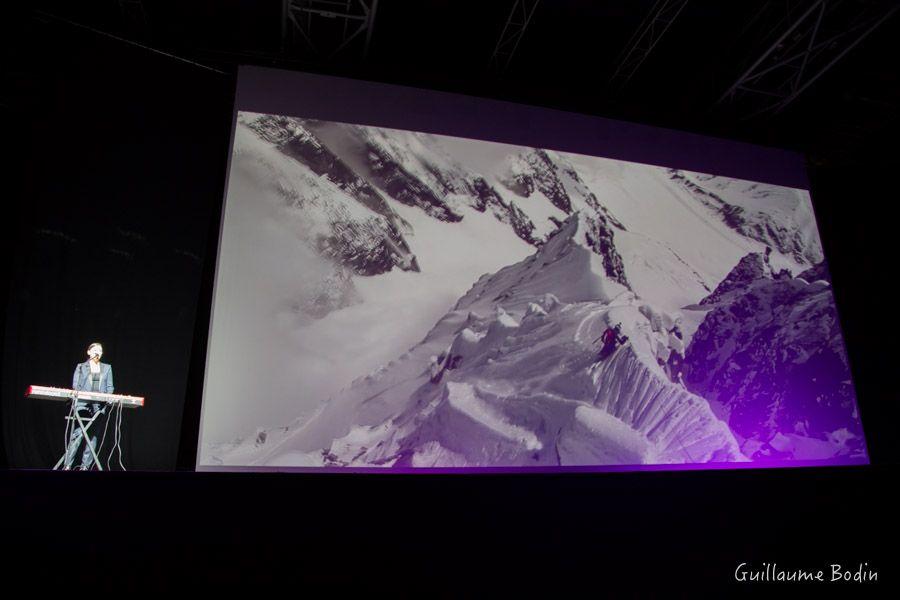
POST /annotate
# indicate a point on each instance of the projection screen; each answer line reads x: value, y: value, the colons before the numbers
x: 417, y: 281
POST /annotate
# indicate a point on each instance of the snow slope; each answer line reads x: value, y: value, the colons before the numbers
x: 292, y: 323
x: 508, y: 378
x: 777, y: 216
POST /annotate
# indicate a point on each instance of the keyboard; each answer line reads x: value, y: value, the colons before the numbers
x: 64, y: 394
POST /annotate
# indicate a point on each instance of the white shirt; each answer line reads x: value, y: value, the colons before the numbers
x: 95, y: 367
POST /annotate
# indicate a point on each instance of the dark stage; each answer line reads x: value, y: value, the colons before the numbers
x: 117, y: 160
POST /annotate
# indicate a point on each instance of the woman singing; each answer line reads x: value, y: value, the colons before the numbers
x: 90, y: 376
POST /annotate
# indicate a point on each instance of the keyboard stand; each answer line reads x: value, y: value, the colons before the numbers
x: 84, y: 425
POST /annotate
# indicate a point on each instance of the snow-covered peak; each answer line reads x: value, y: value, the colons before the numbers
x: 779, y: 217
x: 750, y: 268
x: 593, y: 233
x: 551, y: 175
x: 511, y: 377
x: 534, y: 170
x: 578, y: 262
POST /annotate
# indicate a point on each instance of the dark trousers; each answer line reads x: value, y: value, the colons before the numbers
x: 86, y: 410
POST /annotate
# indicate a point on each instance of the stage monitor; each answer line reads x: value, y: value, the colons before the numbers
x: 415, y: 281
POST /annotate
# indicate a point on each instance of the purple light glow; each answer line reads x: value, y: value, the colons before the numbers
x: 757, y: 464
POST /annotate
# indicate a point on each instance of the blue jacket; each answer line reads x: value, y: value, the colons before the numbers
x: 81, y: 379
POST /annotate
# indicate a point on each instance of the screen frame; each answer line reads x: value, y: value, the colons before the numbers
x: 330, y: 98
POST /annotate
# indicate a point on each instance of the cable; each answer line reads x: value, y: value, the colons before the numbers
x: 112, y: 450
x: 116, y: 433
x: 121, y: 413
x: 118, y: 436
x: 103, y: 439
x: 88, y: 442
x: 67, y: 433
x: 127, y: 41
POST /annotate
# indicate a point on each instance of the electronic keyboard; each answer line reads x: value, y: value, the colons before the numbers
x: 52, y: 393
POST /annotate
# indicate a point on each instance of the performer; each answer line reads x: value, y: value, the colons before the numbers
x: 90, y: 376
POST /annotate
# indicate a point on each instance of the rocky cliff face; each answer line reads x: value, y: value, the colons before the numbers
x: 599, y: 237
x: 430, y: 181
x: 404, y: 187
x: 535, y: 171
x: 770, y: 354
x: 751, y: 268
x: 487, y: 198
x: 367, y: 242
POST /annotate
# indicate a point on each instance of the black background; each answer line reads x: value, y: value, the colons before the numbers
x: 116, y: 170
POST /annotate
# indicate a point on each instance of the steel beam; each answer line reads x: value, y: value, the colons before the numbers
x: 299, y: 16
x: 644, y: 40
x: 806, y: 49
x: 516, y: 24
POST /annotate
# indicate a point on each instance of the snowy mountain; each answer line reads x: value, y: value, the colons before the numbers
x: 543, y: 177
x: 473, y: 293
x: 509, y: 377
x: 368, y: 241
x: 749, y: 269
x: 532, y: 191
x: 342, y: 198
x: 776, y: 216
x: 770, y: 358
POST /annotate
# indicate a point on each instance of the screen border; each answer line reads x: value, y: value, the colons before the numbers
x: 325, y: 97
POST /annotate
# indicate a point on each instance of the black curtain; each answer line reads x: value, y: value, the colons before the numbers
x: 121, y: 158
